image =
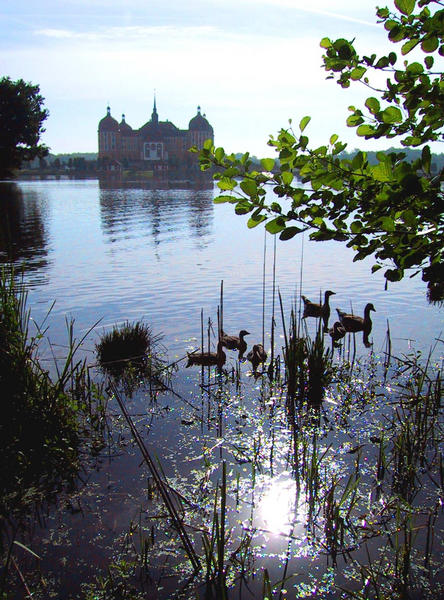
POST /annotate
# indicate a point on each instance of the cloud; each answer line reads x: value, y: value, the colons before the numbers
x: 130, y: 33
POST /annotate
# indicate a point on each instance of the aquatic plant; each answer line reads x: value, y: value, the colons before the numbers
x: 124, y: 343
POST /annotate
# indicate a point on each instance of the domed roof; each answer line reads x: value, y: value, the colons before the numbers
x: 108, y: 123
x: 124, y: 127
x: 199, y: 123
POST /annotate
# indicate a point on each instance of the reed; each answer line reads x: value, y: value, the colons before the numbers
x: 46, y: 418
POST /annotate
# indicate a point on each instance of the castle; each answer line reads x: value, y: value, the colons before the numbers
x: 158, y: 145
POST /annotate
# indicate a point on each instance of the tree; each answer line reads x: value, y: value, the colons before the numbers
x: 391, y: 210
x: 21, y: 118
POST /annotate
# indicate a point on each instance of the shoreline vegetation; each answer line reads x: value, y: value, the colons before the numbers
x: 347, y: 451
x: 85, y: 165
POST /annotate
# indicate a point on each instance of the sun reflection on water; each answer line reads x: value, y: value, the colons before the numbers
x: 279, y: 508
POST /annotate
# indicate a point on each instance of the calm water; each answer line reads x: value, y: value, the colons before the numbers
x: 160, y: 255
x: 112, y: 255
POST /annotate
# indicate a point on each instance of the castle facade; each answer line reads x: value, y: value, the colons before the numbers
x: 157, y: 145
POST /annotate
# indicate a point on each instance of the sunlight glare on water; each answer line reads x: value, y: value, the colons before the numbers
x: 277, y: 509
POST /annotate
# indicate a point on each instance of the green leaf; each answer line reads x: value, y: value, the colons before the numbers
x: 275, y: 225
x: 333, y: 139
x: 426, y: 159
x: 224, y: 199
x: 405, y: 6
x: 249, y: 187
x: 387, y: 224
x: 243, y: 207
x: 430, y: 44
x: 287, y: 177
x: 325, y: 42
x: 267, y: 164
x: 382, y: 171
x: 254, y: 220
x: 290, y: 232
x: 354, y: 120
x: 357, y: 73
x: 219, y: 154
x: 373, y: 105
x: 415, y: 68
x: 393, y: 274
x: 365, y: 130
x: 428, y: 61
x: 304, y: 122
x: 392, y: 114
x: 409, y: 218
x: 408, y: 46
x: 226, y: 184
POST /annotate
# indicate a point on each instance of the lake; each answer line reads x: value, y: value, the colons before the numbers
x: 108, y: 255
x: 160, y: 255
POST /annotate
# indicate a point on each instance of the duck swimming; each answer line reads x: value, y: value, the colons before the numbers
x: 208, y: 358
x: 233, y: 342
x: 312, y: 309
x: 256, y: 356
x: 354, y: 323
x: 337, y: 332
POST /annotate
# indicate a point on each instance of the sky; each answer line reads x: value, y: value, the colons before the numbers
x: 250, y: 64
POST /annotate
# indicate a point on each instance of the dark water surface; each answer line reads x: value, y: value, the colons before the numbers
x: 112, y: 255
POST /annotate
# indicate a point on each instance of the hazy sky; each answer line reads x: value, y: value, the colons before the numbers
x: 250, y: 64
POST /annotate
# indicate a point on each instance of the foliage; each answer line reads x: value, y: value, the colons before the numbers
x: 21, y: 124
x: 391, y: 210
x: 129, y: 341
x: 41, y: 426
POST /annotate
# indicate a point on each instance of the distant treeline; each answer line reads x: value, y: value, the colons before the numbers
x: 87, y: 161
x: 411, y: 155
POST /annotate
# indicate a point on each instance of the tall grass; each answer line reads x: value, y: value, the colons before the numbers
x: 45, y: 418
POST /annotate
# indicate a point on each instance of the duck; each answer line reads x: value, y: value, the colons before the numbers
x: 354, y: 323
x: 233, y: 342
x: 256, y: 356
x: 208, y: 358
x: 337, y: 332
x: 312, y: 309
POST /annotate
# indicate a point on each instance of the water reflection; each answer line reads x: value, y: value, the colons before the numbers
x: 165, y: 215
x: 279, y: 509
x: 23, y: 234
